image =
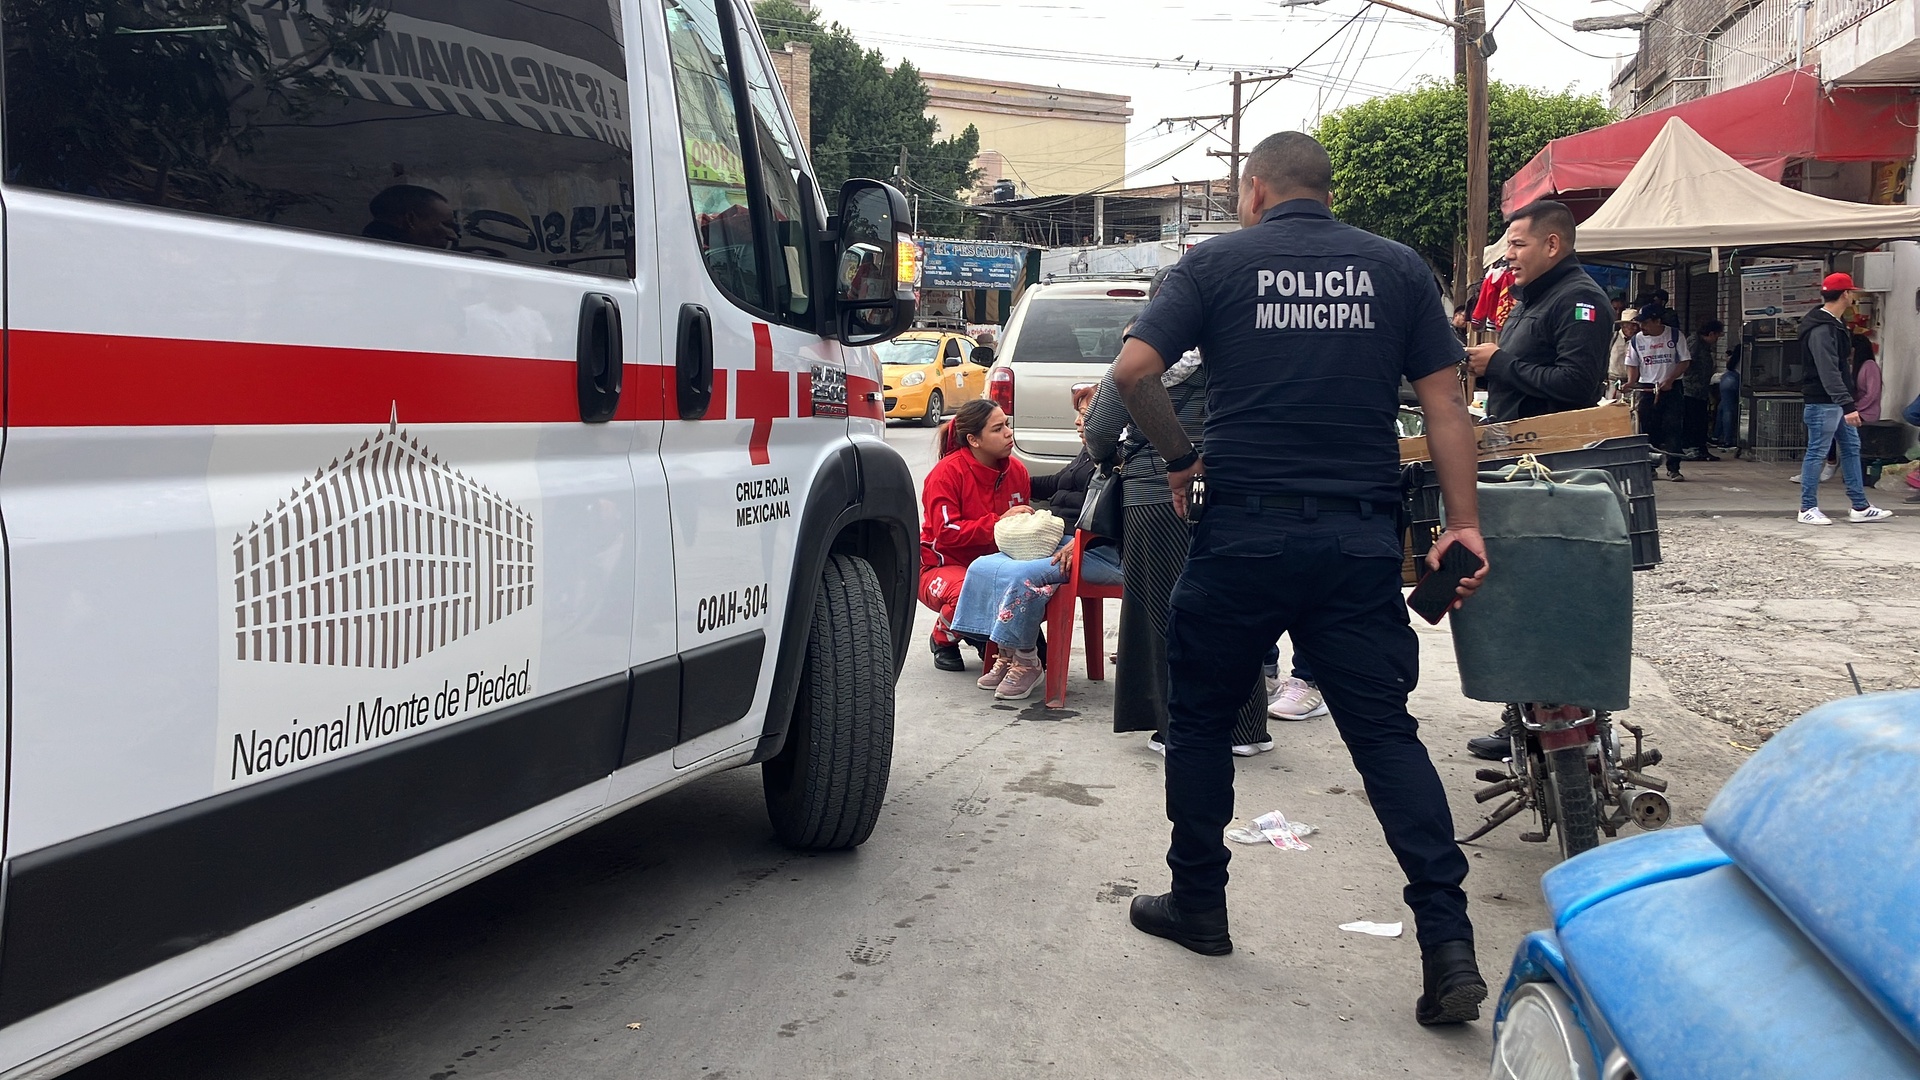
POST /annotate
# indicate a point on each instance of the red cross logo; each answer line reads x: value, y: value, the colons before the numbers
x: 764, y: 394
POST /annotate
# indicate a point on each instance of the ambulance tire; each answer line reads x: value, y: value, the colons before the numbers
x: 825, y: 787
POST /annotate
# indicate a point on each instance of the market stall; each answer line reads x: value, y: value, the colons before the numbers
x: 1687, y: 203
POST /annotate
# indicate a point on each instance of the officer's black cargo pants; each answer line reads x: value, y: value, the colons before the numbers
x: 1331, y: 580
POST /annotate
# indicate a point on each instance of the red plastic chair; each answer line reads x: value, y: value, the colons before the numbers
x: 1060, y: 627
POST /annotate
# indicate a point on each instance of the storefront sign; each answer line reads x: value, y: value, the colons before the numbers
x: 1771, y: 290
x: 963, y: 264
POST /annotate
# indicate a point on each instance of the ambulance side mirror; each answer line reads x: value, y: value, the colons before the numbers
x: 876, y: 264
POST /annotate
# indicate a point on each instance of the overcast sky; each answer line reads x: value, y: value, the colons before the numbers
x: 1358, y: 51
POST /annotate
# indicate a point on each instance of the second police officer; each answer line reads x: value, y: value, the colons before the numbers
x: 1306, y: 327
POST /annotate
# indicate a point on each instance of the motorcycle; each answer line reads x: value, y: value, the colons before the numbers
x: 1566, y: 767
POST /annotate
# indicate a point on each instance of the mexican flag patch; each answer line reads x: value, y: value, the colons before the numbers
x: 1585, y: 313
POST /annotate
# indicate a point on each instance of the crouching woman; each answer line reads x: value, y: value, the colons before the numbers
x: 975, y: 483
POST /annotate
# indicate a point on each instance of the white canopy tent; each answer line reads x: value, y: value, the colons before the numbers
x: 1685, y: 194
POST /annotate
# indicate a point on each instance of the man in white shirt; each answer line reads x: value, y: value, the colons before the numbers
x: 1656, y: 359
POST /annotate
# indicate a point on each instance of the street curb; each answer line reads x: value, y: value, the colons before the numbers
x: 1692, y: 512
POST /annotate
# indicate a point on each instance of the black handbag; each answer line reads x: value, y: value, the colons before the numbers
x: 1102, y: 513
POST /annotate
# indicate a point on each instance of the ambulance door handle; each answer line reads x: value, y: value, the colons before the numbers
x: 599, y: 358
x: 693, y: 362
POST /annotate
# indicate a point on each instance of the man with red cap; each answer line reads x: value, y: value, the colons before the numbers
x: 1832, y: 415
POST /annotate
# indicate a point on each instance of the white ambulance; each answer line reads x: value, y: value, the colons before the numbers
x: 431, y: 427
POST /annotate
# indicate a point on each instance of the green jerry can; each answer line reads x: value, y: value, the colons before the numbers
x: 1554, y: 621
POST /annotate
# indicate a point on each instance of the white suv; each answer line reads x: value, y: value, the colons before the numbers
x: 384, y: 500
x: 1062, y: 334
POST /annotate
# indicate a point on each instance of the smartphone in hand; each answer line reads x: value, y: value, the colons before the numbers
x: 1434, y: 596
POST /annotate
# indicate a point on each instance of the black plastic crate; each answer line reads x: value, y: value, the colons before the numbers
x: 1776, y: 428
x: 1627, y: 458
x: 1884, y: 440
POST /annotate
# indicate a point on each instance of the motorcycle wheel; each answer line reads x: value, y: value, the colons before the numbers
x: 1571, y: 786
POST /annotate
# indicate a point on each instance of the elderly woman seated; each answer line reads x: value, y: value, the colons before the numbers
x: 1005, y: 599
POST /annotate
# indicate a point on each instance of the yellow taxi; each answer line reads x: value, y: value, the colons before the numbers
x: 928, y: 373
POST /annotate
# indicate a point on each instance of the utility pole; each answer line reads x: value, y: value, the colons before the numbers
x: 1471, y: 31
x: 1472, y: 46
x: 1460, y: 43
x: 901, y: 181
x: 1461, y: 289
x: 1233, y: 153
x: 1233, y: 149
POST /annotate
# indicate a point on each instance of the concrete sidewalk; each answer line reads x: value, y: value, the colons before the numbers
x: 1763, y: 489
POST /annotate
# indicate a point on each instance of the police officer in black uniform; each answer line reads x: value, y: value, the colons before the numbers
x: 1306, y: 327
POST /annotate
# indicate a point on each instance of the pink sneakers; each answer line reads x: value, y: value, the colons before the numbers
x: 1021, y: 677
x: 1002, y: 663
x: 1297, y: 700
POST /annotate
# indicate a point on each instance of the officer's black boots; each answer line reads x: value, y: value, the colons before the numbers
x: 1205, y: 932
x: 1453, y: 989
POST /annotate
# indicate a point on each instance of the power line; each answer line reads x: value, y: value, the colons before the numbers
x: 1177, y: 64
x: 1532, y: 18
x: 1170, y: 64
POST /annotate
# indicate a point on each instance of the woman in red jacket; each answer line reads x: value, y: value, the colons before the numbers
x: 975, y: 483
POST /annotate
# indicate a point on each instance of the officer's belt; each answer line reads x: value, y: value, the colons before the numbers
x: 1324, y: 503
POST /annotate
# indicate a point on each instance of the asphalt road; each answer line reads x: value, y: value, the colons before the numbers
x: 981, y: 933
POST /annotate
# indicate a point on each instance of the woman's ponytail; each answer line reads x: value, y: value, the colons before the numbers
x: 970, y: 421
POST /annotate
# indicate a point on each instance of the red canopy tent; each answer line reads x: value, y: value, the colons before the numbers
x: 1762, y: 125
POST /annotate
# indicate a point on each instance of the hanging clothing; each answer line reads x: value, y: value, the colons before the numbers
x: 1496, y: 297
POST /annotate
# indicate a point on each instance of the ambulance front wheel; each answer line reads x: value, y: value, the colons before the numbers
x: 825, y: 787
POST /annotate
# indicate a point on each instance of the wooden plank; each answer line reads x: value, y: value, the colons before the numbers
x: 1539, y: 434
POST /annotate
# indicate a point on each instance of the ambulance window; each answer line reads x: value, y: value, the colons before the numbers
x: 491, y: 128
x: 710, y: 137
x: 780, y: 176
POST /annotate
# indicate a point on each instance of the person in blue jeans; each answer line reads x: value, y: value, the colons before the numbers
x: 1832, y: 416
x: 1727, y: 421
x: 1005, y: 600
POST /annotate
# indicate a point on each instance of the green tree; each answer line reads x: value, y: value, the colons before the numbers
x: 1400, y: 162
x: 863, y: 114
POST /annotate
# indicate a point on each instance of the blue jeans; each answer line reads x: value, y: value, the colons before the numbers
x: 1006, y: 600
x: 1827, y: 426
x: 1331, y: 581
x: 1727, y: 424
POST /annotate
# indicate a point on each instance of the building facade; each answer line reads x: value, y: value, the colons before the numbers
x: 1692, y: 48
x: 793, y: 66
x: 1047, y: 140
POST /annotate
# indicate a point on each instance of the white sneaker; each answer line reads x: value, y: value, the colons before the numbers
x: 1826, y: 472
x: 1297, y: 700
x: 1274, y: 683
x: 1154, y: 744
x: 1814, y: 517
x: 1871, y: 513
x: 1250, y: 749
